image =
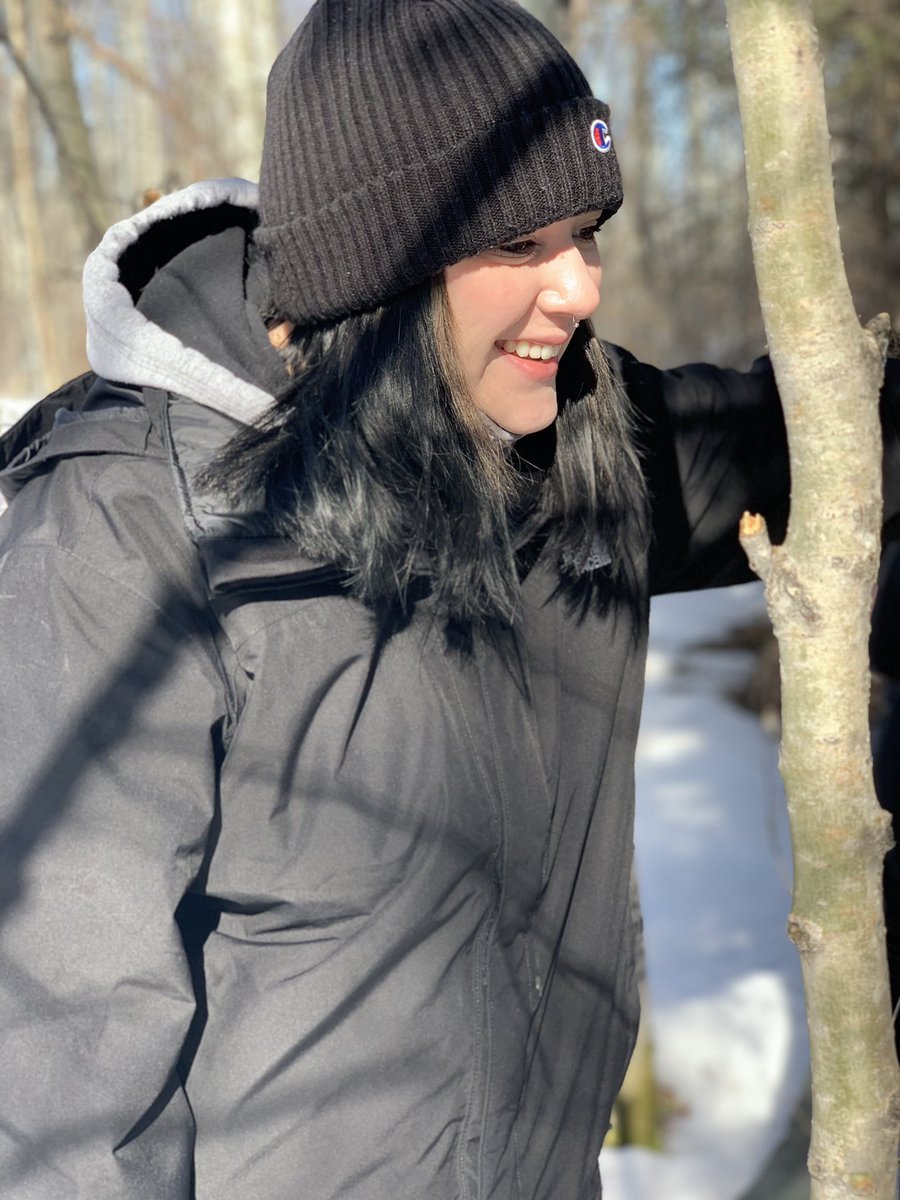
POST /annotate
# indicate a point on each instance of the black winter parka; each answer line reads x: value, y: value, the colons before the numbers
x: 284, y: 917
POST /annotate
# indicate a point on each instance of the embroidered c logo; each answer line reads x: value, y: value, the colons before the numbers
x: 600, y: 136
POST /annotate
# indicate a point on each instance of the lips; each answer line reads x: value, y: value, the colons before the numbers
x: 540, y: 367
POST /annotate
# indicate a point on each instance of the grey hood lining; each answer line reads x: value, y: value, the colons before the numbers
x: 122, y: 344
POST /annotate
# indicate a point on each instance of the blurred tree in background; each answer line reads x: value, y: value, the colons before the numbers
x: 104, y: 102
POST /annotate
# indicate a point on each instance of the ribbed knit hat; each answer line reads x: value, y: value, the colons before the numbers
x: 405, y: 135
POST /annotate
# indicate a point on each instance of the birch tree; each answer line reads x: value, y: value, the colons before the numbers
x: 142, y: 146
x: 819, y: 587
x: 244, y: 40
x: 27, y: 250
x: 51, y: 79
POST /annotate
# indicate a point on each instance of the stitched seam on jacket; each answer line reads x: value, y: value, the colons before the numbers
x: 159, y: 406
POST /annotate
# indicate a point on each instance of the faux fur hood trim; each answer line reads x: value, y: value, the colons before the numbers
x: 123, y: 345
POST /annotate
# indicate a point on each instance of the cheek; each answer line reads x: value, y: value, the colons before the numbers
x: 480, y: 302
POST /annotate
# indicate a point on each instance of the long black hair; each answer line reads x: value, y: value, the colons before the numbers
x: 375, y: 459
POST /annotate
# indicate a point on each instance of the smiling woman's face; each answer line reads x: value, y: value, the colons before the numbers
x: 515, y: 308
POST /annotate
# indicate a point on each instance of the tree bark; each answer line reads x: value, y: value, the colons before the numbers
x: 144, y: 167
x: 51, y: 79
x: 244, y: 40
x: 819, y: 588
x: 29, y: 256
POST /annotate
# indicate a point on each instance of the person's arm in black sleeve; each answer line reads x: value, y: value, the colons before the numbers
x: 109, y: 718
x: 713, y: 445
x: 890, y: 432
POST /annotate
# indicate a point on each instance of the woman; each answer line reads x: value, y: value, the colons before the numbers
x: 327, y: 647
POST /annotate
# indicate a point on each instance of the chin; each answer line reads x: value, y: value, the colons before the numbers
x: 521, y: 425
x: 528, y: 415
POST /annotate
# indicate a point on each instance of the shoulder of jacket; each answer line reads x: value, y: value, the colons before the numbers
x: 86, y: 417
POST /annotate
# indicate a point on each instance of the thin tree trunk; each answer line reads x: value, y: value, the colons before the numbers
x: 819, y: 587
x: 42, y: 347
x: 643, y: 142
x: 244, y: 40
x: 577, y: 35
x: 145, y: 167
x: 51, y: 78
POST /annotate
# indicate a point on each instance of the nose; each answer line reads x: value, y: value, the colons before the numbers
x: 571, y: 286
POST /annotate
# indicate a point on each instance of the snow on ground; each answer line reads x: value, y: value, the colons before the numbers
x: 11, y: 408
x: 713, y: 863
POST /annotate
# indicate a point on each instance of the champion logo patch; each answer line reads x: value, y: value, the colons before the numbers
x: 600, y: 136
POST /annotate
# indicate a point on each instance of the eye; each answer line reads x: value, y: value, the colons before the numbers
x: 589, y: 232
x: 515, y: 249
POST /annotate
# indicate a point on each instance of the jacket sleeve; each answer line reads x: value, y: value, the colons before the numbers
x: 109, y: 711
x: 713, y: 445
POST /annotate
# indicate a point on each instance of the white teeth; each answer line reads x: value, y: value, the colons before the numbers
x: 531, y: 350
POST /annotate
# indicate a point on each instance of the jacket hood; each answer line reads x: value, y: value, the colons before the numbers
x: 156, y: 319
x: 173, y: 300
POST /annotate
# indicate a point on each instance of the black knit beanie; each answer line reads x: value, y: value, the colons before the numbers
x: 405, y: 135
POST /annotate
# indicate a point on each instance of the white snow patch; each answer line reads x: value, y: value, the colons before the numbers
x: 13, y: 407
x: 713, y: 862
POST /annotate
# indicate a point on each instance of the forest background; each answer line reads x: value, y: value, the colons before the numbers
x: 104, y: 103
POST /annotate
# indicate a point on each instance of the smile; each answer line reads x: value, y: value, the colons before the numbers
x: 535, y: 350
